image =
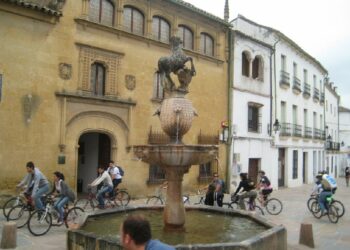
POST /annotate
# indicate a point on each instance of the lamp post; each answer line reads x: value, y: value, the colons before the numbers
x: 276, y: 126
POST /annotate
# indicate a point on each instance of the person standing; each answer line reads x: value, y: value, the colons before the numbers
x: 107, y: 187
x: 135, y: 234
x: 36, y: 180
x: 220, y: 182
x: 347, y: 176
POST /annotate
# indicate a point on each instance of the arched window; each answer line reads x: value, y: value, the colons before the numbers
x: 245, y: 63
x: 258, y: 68
x: 98, y: 78
x: 207, y: 44
x: 186, y: 36
x: 158, y: 91
x: 101, y: 11
x: 160, y: 29
x: 134, y: 20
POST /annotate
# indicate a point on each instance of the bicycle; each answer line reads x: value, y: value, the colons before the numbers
x: 201, y: 193
x: 250, y: 205
x: 121, y: 198
x: 159, y: 199
x: 40, y: 221
x: 21, y: 212
x: 332, y: 213
x: 19, y: 199
x: 272, y: 205
x: 336, y: 203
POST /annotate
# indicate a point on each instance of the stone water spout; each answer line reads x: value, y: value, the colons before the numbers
x: 176, y: 114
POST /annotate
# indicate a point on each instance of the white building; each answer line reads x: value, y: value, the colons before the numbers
x: 344, y: 139
x: 332, y: 129
x: 251, y: 112
x: 297, y: 150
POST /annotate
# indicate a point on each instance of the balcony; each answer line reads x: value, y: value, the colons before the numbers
x: 254, y: 127
x: 317, y: 134
x: 284, y: 80
x: 296, y: 85
x: 316, y: 95
x: 307, y: 90
x: 297, y: 130
x: 332, y: 146
x: 307, y: 132
x: 322, y: 98
x: 285, y: 129
x: 323, y: 135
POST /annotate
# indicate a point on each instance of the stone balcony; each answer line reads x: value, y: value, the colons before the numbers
x: 296, y: 85
x: 307, y: 90
x: 284, y: 79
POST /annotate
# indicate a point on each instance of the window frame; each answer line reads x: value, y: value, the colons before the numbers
x: 95, y: 86
x: 182, y: 36
x: 203, y: 50
x: 159, y: 35
x: 157, y: 87
x: 133, y: 9
x: 245, y: 63
x: 295, y: 164
x: 156, y: 174
x: 100, y: 11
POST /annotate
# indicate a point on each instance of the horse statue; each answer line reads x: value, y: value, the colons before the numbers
x: 176, y: 64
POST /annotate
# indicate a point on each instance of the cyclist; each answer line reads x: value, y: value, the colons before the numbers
x: 36, y: 181
x: 264, y: 185
x: 325, y: 189
x: 114, y: 172
x: 64, y: 193
x: 247, y: 192
x: 107, y: 187
x: 347, y: 176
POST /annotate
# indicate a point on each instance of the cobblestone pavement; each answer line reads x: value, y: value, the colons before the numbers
x: 326, y: 235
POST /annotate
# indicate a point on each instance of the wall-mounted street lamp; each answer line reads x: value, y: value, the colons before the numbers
x: 329, y: 138
x: 342, y: 144
x: 224, y: 135
x: 276, y: 126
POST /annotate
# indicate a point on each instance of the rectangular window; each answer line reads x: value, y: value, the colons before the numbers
x: 295, y: 164
x: 321, y: 122
x: 295, y: 69
x: 305, y: 118
x: 0, y: 87
x: 315, y: 120
x: 253, y: 119
x: 205, y: 172
x: 156, y: 174
x: 305, y: 76
x: 315, y: 81
x: 283, y: 63
x: 295, y: 114
x: 158, y: 91
x: 283, y: 111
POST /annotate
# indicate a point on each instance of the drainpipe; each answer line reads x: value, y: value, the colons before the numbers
x: 275, y: 77
x: 230, y: 108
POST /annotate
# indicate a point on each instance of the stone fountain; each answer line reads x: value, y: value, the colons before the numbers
x: 175, y: 114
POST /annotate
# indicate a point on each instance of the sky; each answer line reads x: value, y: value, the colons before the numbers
x: 320, y: 27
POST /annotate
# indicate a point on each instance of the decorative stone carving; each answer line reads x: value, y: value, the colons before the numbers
x: 130, y: 82
x: 65, y: 71
x: 56, y: 4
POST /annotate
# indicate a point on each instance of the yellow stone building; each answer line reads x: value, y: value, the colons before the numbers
x: 78, y: 86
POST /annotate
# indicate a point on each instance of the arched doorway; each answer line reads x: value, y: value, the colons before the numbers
x: 94, y: 150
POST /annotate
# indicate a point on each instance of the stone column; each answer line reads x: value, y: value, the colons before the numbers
x: 174, y: 211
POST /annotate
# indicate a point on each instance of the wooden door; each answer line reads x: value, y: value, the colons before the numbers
x: 104, y: 150
x: 253, y: 169
x: 281, y: 167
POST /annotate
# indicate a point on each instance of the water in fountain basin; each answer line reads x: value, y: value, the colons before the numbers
x: 201, y: 227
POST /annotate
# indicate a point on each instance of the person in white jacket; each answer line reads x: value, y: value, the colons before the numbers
x: 107, y: 185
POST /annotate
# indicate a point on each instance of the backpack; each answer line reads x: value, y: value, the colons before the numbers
x: 121, y: 171
x: 266, y: 181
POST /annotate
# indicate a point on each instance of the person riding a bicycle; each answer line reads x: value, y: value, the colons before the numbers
x: 37, y: 182
x: 264, y: 185
x: 107, y: 187
x: 247, y: 192
x: 325, y: 186
x: 116, y: 177
x: 64, y: 194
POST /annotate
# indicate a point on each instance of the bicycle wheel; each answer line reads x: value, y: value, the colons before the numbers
x: 39, y: 222
x: 86, y: 204
x: 333, y: 214
x: 12, y: 202
x: 309, y: 202
x: 316, y: 210
x: 154, y: 200
x: 339, y: 207
x: 75, y: 216
x: 258, y: 210
x: 122, y: 198
x: 200, y: 202
x: 186, y: 199
x: 20, y: 214
x: 274, y: 206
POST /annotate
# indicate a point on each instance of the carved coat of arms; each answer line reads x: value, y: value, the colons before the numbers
x: 130, y: 82
x: 65, y: 71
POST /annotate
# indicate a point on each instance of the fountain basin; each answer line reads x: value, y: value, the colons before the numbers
x: 175, y: 155
x: 267, y: 235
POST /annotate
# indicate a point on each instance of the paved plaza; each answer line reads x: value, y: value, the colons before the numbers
x: 326, y: 235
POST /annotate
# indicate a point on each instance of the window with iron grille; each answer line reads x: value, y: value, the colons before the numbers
x: 156, y: 174
x: 158, y: 91
x: 207, y: 44
x: 205, y: 172
x: 101, y: 11
x: 98, y: 77
x: 295, y: 164
x: 133, y: 20
x: 160, y: 29
x: 186, y: 36
x: 253, y: 118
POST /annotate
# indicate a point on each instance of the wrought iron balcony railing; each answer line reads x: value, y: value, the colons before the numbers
x: 333, y: 146
x: 317, y: 134
x: 285, y: 79
x: 316, y: 95
x: 307, y: 90
x: 297, y: 130
x: 253, y: 126
x: 285, y: 129
x: 296, y: 85
x: 307, y: 132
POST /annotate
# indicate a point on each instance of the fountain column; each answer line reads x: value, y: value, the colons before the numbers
x: 174, y: 211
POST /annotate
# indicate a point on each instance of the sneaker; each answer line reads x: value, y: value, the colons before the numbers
x: 59, y: 222
x: 101, y: 207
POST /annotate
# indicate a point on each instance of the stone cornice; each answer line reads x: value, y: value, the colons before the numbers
x: 241, y: 34
x: 117, y: 100
x: 35, y: 7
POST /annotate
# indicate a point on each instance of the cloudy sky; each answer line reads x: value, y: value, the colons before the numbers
x: 320, y: 27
